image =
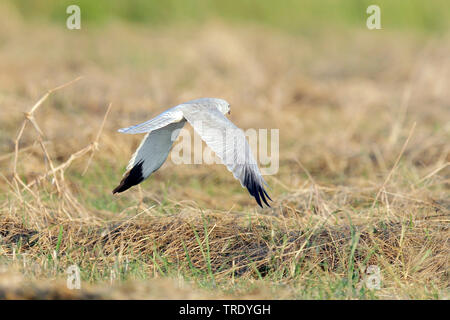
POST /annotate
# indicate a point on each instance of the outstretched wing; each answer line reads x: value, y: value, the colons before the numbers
x: 230, y: 145
x: 150, y: 155
x: 167, y: 117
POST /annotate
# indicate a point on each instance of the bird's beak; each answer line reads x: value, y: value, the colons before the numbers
x: 229, y: 111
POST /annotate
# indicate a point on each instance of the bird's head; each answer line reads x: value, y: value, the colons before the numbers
x: 223, y: 106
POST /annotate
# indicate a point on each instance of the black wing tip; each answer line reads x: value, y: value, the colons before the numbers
x: 261, y: 194
x: 132, y: 178
x: 256, y: 189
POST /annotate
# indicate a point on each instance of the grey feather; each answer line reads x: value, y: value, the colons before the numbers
x: 155, y: 148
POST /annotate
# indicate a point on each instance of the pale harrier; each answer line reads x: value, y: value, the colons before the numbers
x: 207, y: 117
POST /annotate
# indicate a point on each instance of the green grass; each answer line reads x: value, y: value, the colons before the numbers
x: 298, y: 16
x: 195, y: 225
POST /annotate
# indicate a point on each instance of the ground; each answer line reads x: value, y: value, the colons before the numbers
x: 363, y: 178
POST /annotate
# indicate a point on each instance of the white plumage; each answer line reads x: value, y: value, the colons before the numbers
x: 206, y: 115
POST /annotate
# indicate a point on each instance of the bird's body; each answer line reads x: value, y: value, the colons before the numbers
x: 207, y: 116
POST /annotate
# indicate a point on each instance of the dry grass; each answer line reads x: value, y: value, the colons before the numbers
x: 358, y: 184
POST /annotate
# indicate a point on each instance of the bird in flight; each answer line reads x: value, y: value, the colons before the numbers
x: 207, y: 117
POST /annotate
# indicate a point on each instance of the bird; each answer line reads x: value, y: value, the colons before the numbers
x: 207, y: 117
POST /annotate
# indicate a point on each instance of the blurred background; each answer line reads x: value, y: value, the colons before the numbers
x: 348, y: 95
x: 291, y: 15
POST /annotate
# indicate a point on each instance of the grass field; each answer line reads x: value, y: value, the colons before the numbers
x: 364, y: 120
